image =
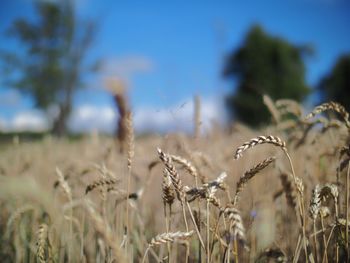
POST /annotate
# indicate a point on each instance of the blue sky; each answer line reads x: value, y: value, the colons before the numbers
x: 167, y: 51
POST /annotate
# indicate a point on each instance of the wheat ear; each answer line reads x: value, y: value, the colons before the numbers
x: 165, y: 238
x: 174, y: 176
x: 190, y: 168
x: 100, y: 183
x: 270, y: 139
x: 42, y: 244
x: 170, y: 237
x: 314, y: 209
x: 248, y: 175
x: 330, y: 106
x: 64, y: 184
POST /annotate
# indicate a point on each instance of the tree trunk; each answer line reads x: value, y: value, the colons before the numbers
x: 59, y: 126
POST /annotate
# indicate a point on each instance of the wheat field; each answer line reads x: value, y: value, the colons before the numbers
x: 278, y: 194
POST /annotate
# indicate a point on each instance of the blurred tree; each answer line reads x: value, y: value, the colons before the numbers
x: 336, y: 85
x: 51, y: 64
x: 264, y: 65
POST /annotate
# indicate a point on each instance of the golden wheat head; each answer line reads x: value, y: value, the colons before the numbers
x: 270, y: 139
x: 250, y: 174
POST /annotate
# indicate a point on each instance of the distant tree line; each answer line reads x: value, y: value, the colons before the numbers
x: 270, y: 65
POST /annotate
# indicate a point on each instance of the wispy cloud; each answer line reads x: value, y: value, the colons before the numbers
x: 178, y: 117
x: 87, y: 118
x: 32, y: 120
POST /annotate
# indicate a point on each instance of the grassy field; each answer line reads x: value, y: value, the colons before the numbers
x: 278, y: 194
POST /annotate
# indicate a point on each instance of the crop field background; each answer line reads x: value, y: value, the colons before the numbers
x: 229, y: 196
x: 174, y: 131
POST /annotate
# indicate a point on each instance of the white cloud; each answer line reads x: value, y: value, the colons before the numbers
x: 179, y: 117
x: 87, y: 118
x: 33, y: 121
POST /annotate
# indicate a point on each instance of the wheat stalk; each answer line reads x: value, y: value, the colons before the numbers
x: 170, y: 237
x: 64, y: 184
x: 167, y: 190
x: 104, y: 231
x: 236, y: 223
x: 190, y: 168
x: 315, y: 202
x: 109, y: 182
x: 249, y: 175
x: 330, y: 106
x: 16, y: 215
x: 270, y: 139
x: 42, y: 244
x: 174, y: 176
x: 314, y: 209
x: 130, y: 139
x: 272, y: 108
x: 289, y: 106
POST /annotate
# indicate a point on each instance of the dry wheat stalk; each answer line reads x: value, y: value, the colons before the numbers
x: 118, y: 90
x: 104, y: 230
x: 207, y: 190
x: 315, y: 202
x: 272, y: 108
x: 214, y: 185
x: 249, y: 175
x: 64, y: 184
x: 104, y: 171
x: 190, y: 168
x: 109, y: 182
x: 174, y: 176
x: 130, y: 138
x: 330, y: 106
x: 299, y: 185
x: 194, y: 193
x: 259, y: 140
x: 236, y: 223
x: 289, y: 106
x: 17, y: 214
x: 170, y: 237
x: 203, y: 193
x: 289, y: 191
x: 42, y: 244
x: 168, y: 192
x: 214, y: 201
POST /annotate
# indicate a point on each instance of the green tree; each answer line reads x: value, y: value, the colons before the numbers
x: 336, y: 85
x: 264, y: 65
x: 53, y: 58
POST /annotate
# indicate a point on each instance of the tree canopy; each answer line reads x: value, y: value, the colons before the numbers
x: 336, y: 84
x: 50, y: 66
x: 264, y: 64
